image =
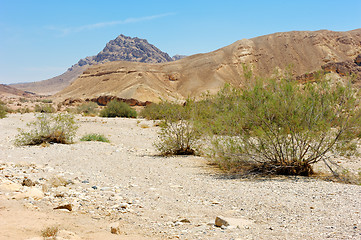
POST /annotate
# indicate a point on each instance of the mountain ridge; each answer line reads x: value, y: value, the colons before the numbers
x: 308, y: 51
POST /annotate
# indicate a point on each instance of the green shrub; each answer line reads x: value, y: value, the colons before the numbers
x: 23, y: 110
x: 159, y: 111
x: 3, y: 110
x: 178, y: 134
x: 44, y: 100
x: 48, y: 128
x: 118, y: 109
x: 44, y: 108
x: 88, y: 109
x: 282, y: 127
x: 94, y: 137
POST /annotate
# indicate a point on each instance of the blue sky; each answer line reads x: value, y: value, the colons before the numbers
x: 41, y: 39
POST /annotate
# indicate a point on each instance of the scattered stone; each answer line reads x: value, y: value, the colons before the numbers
x: 85, y: 181
x: 94, y: 187
x: 69, y: 207
x: 27, y: 182
x: 115, y: 228
x: 184, y: 220
x: 124, y: 205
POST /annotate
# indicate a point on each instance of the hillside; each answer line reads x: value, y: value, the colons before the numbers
x: 122, y: 48
x: 306, y: 51
x: 12, y: 92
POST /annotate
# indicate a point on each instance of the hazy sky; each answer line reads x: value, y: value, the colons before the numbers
x: 41, y: 39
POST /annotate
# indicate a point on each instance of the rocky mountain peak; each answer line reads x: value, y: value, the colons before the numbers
x: 124, y: 48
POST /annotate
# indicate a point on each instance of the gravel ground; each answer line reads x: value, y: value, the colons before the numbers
x: 126, y: 181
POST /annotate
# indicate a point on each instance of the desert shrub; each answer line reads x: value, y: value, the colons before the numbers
x: 49, y: 128
x: 88, y: 109
x: 23, y: 110
x: 44, y: 108
x: 219, y: 114
x: 3, y: 110
x: 282, y: 127
x: 44, y: 100
x: 178, y: 134
x: 118, y: 109
x: 94, y: 137
x: 159, y: 111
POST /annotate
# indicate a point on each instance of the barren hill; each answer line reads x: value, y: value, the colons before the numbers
x: 307, y: 51
x: 10, y: 91
x: 122, y: 48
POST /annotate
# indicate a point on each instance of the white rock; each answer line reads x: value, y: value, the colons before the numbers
x: 32, y: 192
x: 9, y: 186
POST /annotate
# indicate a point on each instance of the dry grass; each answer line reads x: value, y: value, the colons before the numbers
x: 50, y: 232
x: 144, y: 125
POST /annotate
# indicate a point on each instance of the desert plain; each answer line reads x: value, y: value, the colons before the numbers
x: 128, y: 185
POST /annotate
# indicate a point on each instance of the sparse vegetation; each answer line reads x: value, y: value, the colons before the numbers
x: 285, y: 128
x: 118, y: 109
x: 88, y: 109
x: 23, y: 110
x: 94, y: 137
x: 178, y: 134
x: 271, y: 126
x: 158, y: 111
x: 3, y: 110
x: 44, y: 108
x: 44, y: 100
x: 49, y: 128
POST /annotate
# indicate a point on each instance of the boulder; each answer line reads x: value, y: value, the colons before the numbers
x: 115, y: 228
x: 28, y: 183
x: 232, y: 222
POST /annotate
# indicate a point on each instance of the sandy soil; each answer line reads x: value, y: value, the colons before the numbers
x: 154, y: 197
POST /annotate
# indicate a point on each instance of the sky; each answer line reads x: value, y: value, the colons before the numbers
x: 42, y: 39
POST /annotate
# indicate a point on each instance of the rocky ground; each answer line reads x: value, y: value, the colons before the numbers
x: 88, y: 187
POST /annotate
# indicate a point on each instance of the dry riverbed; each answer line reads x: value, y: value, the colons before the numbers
x: 125, y: 184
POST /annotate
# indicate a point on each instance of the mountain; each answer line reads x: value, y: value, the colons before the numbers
x: 122, y: 48
x: 8, y: 91
x: 178, y: 57
x: 306, y: 51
